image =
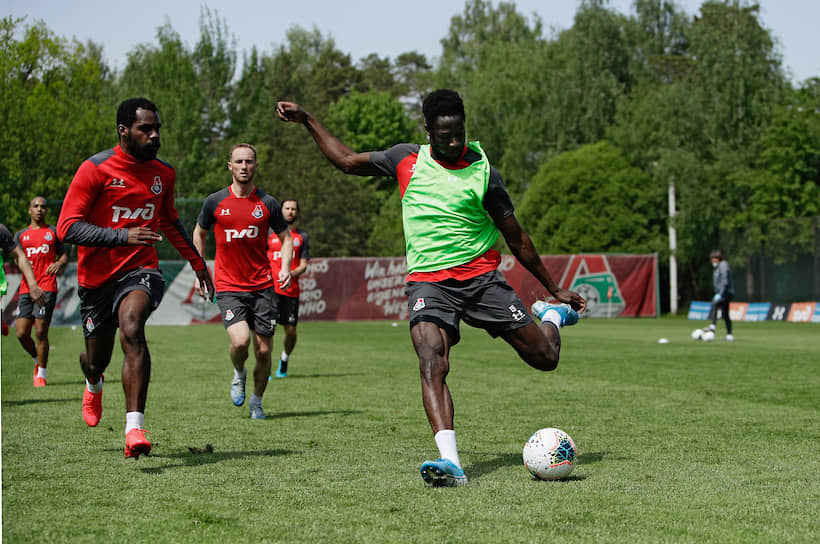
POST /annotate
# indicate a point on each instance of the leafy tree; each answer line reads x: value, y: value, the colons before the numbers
x: 591, y: 200
x: 55, y: 97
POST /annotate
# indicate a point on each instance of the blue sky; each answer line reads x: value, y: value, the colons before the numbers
x: 360, y: 27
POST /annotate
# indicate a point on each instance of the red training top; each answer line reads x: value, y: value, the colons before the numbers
x: 110, y: 193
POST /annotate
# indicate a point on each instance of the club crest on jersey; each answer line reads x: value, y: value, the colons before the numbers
x: 229, y: 315
x: 257, y: 211
x: 418, y: 305
x: 156, y: 188
x: 47, y: 237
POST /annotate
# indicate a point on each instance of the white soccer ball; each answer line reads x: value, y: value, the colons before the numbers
x: 708, y: 336
x: 550, y: 454
x: 697, y: 334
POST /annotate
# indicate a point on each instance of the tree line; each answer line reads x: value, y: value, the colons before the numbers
x: 588, y: 125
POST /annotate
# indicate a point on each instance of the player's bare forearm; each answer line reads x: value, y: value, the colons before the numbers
x: 339, y: 154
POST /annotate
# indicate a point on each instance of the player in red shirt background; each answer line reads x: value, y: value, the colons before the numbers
x: 48, y: 259
x: 241, y: 216
x: 9, y: 247
x: 117, y: 202
x: 288, y: 299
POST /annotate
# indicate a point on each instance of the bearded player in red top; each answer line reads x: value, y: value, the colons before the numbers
x: 48, y: 258
x: 117, y: 202
x: 288, y: 299
x: 241, y: 216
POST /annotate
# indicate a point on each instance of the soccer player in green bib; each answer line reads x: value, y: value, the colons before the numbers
x: 454, y: 204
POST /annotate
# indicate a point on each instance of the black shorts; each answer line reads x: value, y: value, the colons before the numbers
x: 258, y: 308
x: 98, y: 307
x: 486, y: 302
x: 288, y: 310
x: 28, y: 309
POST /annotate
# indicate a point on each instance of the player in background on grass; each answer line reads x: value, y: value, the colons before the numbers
x: 241, y: 215
x: 9, y: 247
x: 48, y: 259
x: 117, y: 202
x: 454, y: 204
x: 288, y: 299
x: 724, y: 289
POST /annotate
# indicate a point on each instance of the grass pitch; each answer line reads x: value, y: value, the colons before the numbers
x: 679, y: 442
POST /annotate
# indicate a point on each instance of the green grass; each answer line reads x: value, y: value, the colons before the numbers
x: 678, y: 442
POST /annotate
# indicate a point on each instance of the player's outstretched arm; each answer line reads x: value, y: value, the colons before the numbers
x: 341, y: 156
x: 523, y: 249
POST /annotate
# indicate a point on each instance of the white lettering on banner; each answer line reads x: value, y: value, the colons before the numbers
x: 31, y: 251
x: 778, y: 313
x: 308, y: 296
x: 306, y: 284
x: 801, y: 315
x: 249, y: 232
x: 318, y: 266
x: 385, y: 287
x: 146, y: 213
x: 312, y: 308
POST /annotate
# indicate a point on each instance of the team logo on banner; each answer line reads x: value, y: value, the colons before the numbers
x: 593, y: 279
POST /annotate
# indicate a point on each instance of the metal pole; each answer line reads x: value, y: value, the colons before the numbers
x: 816, y: 259
x: 673, y: 247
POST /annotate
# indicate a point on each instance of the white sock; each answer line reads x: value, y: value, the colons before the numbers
x: 283, y: 357
x: 446, y: 442
x: 237, y: 374
x: 256, y: 401
x: 94, y: 387
x: 553, y: 317
x: 41, y: 372
x: 133, y: 420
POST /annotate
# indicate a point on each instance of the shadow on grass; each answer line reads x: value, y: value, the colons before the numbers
x: 283, y: 415
x: 480, y: 468
x: 192, y: 459
x: 24, y: 402
x: 317, y: 375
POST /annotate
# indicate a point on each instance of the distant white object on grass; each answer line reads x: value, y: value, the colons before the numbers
x: 663, y: 340
x: 394, y: 324
x: 697, y: 334
x: 708, y: 336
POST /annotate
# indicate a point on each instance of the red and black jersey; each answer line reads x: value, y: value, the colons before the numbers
x: 241, y: 226
x: 42, y: 248
x: 110, y: 193
x: 300, y: 251
x: 400, y: 162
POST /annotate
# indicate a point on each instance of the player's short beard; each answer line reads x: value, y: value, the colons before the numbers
x: 142, y: 153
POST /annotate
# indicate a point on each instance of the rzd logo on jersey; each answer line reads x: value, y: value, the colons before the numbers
x: 249, y: 232
x: 31, y: 251
x: 121, y: 212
